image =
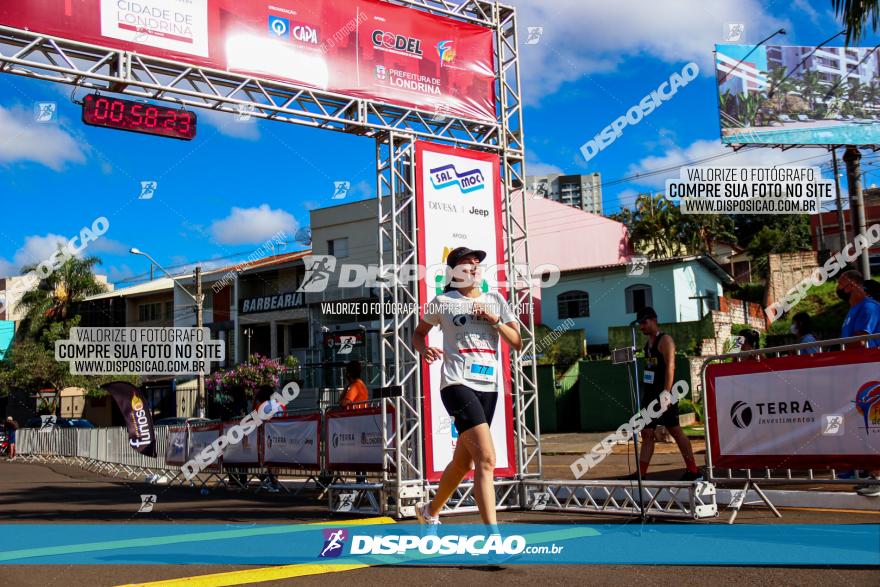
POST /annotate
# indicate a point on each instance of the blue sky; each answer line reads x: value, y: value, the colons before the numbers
x: 223, y: 194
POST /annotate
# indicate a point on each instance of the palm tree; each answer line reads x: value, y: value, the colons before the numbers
x: 51, y: 301
x: 855, y: 15
x: 809, y: 88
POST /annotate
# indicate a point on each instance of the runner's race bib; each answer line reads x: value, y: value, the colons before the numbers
x: 649, y: 377
x: 481, y: 369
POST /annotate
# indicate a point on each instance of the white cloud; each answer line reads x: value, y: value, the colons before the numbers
x: 252, y: 225
x: 228, y: 124
x: 703, y: 148
x: 24, y: 139
x: 534, y: 166
x: 594, y: 36
x: 106, y: 245
x: 117, y: 274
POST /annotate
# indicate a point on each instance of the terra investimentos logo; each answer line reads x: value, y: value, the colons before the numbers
x: 744, y: 414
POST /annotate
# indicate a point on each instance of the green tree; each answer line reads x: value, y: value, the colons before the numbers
x: 654, y: 226
x: 855, y: 15
x: 54, y: 297
x: 789, y: 234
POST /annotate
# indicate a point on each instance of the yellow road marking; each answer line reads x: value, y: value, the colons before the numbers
x: 253, y: 575
x: 269, y: 573
x: 831, y: 510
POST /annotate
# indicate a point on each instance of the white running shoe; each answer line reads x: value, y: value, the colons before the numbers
x: 871, y: 490
x: 424, y: 517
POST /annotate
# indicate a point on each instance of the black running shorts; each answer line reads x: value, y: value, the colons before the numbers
x: 468, y: 407
x: 668, y: 418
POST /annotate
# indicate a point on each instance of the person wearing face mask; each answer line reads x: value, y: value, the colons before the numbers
x: 801, y: 327
x: 864, y: 312
x: 863, y: 318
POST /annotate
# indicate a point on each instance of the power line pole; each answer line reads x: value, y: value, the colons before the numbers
x: 200, y: 302
x: 853, y: 159
x: 841, y: 220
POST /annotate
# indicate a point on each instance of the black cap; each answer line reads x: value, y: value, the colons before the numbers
x: 456, y: 254
x: 646, y: 313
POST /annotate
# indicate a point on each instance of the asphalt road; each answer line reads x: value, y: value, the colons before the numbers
x: 31, y: 493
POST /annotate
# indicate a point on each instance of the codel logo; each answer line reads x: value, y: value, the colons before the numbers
x: 741, y: 414
x: 447, y: 176
x: 868, y: 403
x: 399, y: 43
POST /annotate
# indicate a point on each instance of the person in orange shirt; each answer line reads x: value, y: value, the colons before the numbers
x: 356, y: 392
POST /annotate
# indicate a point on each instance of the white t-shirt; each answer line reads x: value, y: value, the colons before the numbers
x: 471, y: 349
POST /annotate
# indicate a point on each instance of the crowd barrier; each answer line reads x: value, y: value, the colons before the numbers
x: 777, y: 416
x: 320, y: 446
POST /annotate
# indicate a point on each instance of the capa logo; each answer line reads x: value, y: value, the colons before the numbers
x: 447, y: 176
x: 306, y: 34
x: 741, y: 414
x: 402, y: 43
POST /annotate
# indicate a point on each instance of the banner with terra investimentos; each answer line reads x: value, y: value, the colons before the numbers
x: 798, y: 412
x: 362, y: 48
x: 458, y: 203
x: 136, y: 413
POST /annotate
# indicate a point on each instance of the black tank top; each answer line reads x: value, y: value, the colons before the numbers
x: 654, y: 363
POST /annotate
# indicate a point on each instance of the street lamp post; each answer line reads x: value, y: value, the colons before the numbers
x: 199, y: 300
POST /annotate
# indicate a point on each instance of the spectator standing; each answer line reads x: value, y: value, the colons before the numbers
x: 863, y: 318
x: 11, y: 427
x: 802, y: 328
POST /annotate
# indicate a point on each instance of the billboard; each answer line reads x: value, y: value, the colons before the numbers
x: 793, y: 95
x: 458, y: 203
x: 362, y: 48
x: 807, y: 411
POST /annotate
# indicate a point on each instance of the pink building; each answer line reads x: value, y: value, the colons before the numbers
x: 569, y: 238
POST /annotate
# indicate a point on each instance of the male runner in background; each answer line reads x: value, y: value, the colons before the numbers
x: 659, y: 376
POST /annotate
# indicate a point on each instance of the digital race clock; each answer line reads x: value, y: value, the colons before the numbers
x: 112, y: 112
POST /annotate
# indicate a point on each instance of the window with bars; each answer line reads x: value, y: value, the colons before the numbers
x: 573, y: 304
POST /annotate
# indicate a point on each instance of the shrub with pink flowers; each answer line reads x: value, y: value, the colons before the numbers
x: 248, y: 376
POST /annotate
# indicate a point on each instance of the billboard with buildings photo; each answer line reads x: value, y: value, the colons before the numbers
x: 796, y: 95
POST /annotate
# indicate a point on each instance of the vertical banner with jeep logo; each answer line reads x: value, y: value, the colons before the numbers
x: 136, y: 413
x: 808, y: 411
x: 458, y: 203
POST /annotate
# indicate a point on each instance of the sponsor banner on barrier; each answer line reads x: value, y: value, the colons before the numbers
x: 201, y: 437
x: 246, y: 452
x: 354, y: 438
x: 175, y: 447
x: 454, y: 544
x: 459, y: 204
x: 363, y: 48
x: 293, y: 442
x: 808, y: 411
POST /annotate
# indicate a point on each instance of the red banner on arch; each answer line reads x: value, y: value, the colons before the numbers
x: 361, y: 48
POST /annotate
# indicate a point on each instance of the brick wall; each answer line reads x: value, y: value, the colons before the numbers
x: 786, y: 271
